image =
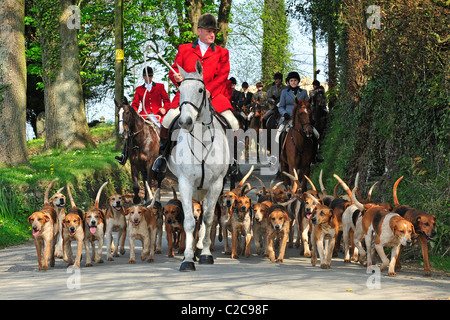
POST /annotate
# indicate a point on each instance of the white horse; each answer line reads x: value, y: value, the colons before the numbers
x: 200, y: 161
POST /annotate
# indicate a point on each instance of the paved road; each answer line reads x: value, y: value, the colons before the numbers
x: 253, y: 278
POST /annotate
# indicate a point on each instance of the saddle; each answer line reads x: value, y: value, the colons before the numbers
x: 175, y: 125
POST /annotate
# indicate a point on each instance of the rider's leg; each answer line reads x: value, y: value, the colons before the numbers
x: 227, y: 114
x: 317, y: 155
x: 160, y: 164
x: 234, y: 123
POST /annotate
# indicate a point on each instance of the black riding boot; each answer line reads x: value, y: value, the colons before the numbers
x: 160, y: 164
x: 122, y: 159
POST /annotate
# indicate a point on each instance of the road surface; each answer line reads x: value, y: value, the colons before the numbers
x: 246, y: 279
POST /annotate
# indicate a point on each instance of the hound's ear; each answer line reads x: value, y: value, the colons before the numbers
x: 199, y: 68
x: 286, y: 217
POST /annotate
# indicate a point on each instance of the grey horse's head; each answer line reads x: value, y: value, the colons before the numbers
x: 192, y: 97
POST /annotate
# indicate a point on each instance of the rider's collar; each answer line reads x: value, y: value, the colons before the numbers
x: 195, y: 44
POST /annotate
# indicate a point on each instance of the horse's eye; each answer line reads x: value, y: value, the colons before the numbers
x: 200, y: 90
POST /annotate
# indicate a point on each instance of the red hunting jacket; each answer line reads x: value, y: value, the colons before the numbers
x: 154, y: 99
x: 216, y: 68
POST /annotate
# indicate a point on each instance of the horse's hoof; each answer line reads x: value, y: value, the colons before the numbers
x: 206, y: 259
x: 187, y: 266
x: 197, y: 252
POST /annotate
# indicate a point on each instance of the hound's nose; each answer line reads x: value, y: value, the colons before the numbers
x: 408, y: 243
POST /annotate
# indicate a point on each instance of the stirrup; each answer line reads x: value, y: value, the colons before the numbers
x: 120, y: 159
x: 160, y: 164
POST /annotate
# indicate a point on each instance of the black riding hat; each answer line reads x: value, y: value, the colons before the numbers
x: 207, y: 21
x: 278, y: 75
x: 293, y: 75
x: 149, y: 71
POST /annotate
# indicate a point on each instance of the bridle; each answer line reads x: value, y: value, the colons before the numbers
x: 302, y: 124
x: 204, y: 99
x: 199, y: 110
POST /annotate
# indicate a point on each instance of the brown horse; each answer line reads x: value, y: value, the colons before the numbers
x: 255, y: 124
x: 143, y: 146
x: 298, y: 145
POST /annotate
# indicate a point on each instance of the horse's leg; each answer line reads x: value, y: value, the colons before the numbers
x: 189, y: 224
x: 208, y: 217
x: 135, y: 175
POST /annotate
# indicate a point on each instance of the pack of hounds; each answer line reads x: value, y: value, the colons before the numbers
x: 324, y: 223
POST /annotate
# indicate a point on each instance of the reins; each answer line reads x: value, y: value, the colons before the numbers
x: 208, y: 125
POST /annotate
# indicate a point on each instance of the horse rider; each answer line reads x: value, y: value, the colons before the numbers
x: 235, y: 93
x: 260, y: 97
x: 149, y: 100
x: 216, y: 68
x: 259, y: 100
x: 288, y: 95
x: 317, y: 88
x: 287, y: 104
x: 273, y: 96
x: 245, y: 98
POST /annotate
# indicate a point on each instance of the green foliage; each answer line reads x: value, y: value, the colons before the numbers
x: 275, y: 54
x: 22, y: 187
x: 46, y: 13
x: 392, y: 114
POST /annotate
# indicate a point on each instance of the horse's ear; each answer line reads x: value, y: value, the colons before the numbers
x: 199, y: 68
x: 117, y: 103
x: 125, y: 100
x: 181, y: 71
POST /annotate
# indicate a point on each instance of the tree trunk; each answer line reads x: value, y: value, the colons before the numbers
x: 13, y: 83
x: 332, y: 74
x: 194, y: 13
x: 223, y: 21
x: 65, y: 115
x: 274, y: 56
x: 119, y: 66
x: 313, y: 27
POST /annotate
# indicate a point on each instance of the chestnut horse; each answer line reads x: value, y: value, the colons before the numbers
x: 298, y: 145
x: 143, y: 145
x: 255, y: 124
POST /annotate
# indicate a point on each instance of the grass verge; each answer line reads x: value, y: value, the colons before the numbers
x: 22, y: 187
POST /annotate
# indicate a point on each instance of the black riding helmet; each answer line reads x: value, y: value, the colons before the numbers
x: 293, y: 75
x: 278, y: 75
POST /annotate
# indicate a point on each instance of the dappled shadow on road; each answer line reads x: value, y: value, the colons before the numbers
x: 254, y: 277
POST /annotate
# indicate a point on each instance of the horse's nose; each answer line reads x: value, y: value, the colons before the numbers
x: 187, y: 122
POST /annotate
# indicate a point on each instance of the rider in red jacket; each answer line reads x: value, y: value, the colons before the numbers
x: 153, y: 97
x: 216, y: 68
x: 150, y: 98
